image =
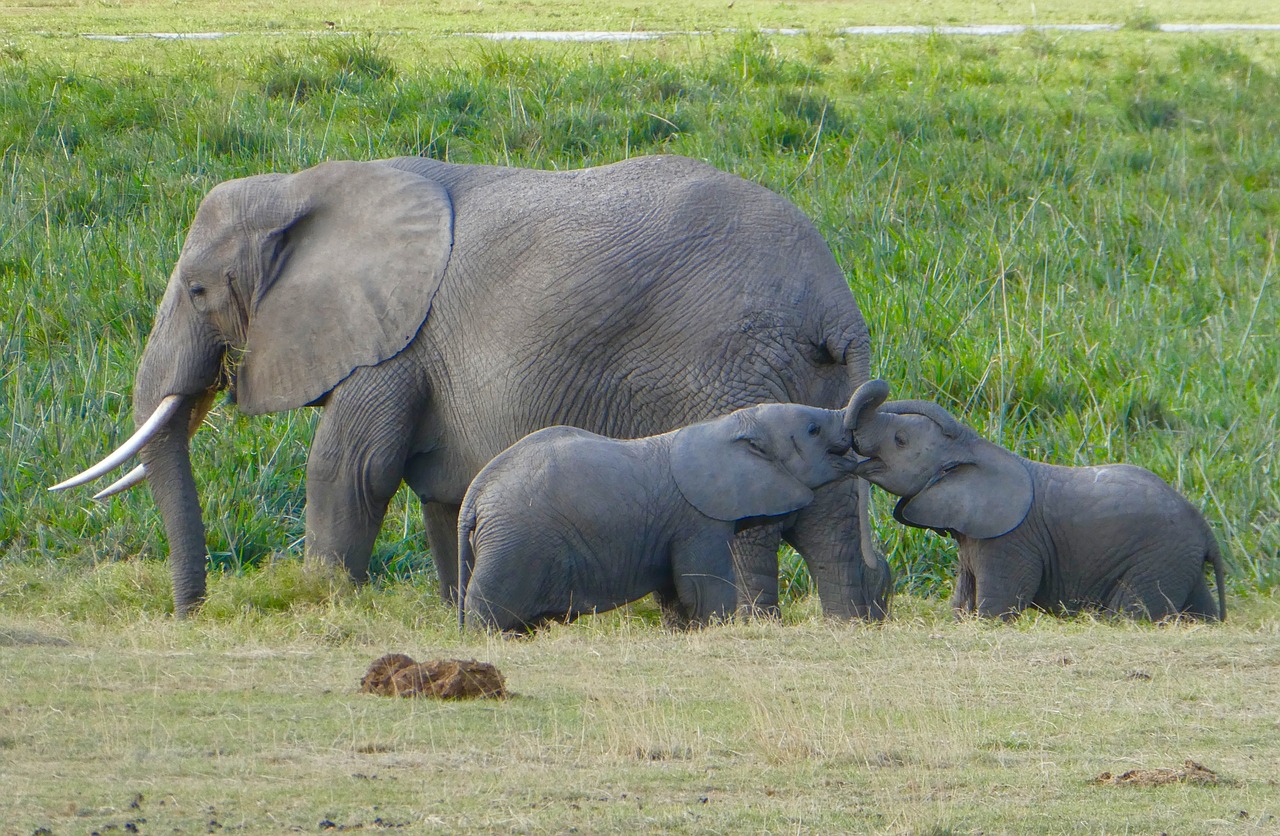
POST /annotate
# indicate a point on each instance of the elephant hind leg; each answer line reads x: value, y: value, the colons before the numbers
x: 495, y: 603
x: 833, y: 536
x: 441, y: 523
x: 1144, y: 598
x: 1200, y: 603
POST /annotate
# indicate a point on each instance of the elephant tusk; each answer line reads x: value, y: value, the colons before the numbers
x: 134, y: 477
x: 164, y: 411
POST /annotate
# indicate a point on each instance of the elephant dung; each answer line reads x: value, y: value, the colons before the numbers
x: 1190, y: 773
x: 398, y: 675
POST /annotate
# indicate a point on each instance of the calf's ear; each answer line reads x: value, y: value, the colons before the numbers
x: 729, y: 473
x: 982, y: 498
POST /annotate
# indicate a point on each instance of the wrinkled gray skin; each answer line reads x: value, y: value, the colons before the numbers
x: 566, y: 522
x: 628, y: 300
x: 1115, y: 538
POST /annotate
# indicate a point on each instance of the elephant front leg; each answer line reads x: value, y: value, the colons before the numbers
x: 755, y: 562
x: 1005, y: 581
x: 964, y: 599
x: 675, y: 617
x: 356, y: 464
x: 702, y: 571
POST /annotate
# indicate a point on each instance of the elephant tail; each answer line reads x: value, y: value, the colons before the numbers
x: 1219, y: 575
x: 466, y: 558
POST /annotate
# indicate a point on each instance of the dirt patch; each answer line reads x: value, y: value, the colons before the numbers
x: 1190, y: 773
x: 398, y: 675
x: 29, y: 638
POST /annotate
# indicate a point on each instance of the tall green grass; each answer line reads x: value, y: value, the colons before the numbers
x: 71, y: 17
x: 1069, y: 241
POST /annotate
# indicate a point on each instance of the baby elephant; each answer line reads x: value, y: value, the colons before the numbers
x: 566, y: 522
x: 1061, y: 539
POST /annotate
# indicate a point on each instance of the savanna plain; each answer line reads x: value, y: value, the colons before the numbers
x: 1067, y: 239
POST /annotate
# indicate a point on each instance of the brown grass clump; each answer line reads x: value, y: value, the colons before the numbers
x: 1190, y: 773
x: 398, y: 675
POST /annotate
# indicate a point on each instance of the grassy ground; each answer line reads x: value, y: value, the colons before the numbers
x: 126, y: 16
x: 1069, y: 240
x: 249, y: 719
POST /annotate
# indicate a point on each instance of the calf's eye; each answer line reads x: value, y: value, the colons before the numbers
x: 813, y: 429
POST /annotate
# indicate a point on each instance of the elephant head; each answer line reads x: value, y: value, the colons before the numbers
x: 760, y: 461
x: 950, y: 478
x: 284, y: 286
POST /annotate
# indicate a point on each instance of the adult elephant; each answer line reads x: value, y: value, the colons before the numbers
x: 440, y: 312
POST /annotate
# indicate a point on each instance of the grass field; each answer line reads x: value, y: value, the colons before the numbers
x: 250, y: 720
x: 1067, y: 239
x: 403, y: 16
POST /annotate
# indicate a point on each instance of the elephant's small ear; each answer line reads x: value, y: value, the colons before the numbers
x: 725, y: 472
x: 347, y: 283
x: 985, y: 497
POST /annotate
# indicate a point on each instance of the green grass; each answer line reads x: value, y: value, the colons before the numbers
x: 1069, y: 241
x: 133, y: 16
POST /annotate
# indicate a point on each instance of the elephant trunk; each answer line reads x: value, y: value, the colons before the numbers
x: 861, y: 418
x: 167, y: 461
x: 182, y: 358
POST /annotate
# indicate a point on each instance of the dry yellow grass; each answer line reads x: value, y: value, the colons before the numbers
x: 255, y: 721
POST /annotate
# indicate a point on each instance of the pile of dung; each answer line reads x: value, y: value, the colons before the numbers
x: 1190, y: 773
x: 397, y: 675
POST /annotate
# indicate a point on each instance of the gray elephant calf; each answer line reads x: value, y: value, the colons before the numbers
x: 566, y: 522
x: 1061, y: 539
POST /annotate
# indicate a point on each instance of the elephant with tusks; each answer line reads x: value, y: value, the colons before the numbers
x: 439, y: 312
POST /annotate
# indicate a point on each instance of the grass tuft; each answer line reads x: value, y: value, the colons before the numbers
x: 326, y: 65
x: 1142, y: 20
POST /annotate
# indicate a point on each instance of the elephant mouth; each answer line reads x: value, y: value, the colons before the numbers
x: 229, y: 372
x: 843, y: 464
x: 868, y: 467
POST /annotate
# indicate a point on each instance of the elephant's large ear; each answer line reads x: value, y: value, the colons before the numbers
x: 725, y: 471
x: 349, y: 277
x: 982, y: 498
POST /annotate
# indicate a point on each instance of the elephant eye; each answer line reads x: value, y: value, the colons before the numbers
x: 813, y: 429
x: 197, y: 290
x: 900, y: 439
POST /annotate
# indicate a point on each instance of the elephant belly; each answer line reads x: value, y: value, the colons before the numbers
x: 538, y: 579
